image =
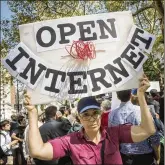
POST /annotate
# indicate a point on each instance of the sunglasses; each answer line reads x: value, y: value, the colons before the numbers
x: 87, y: 116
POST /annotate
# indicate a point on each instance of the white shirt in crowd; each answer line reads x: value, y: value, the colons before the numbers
x: 5, y: 142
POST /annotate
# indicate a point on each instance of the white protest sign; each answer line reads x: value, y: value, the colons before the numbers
x: 154, y: 85
x: 42, y: 62
x: 55, y: 34
x: 138, y: 37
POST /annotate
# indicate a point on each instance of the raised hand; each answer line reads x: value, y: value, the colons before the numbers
x: 27, y: 102
x: 144, y: 84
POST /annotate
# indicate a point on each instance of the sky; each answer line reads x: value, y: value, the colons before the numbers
x: 5, y: 11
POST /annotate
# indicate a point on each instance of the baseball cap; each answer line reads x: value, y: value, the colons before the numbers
x: 87, y: 103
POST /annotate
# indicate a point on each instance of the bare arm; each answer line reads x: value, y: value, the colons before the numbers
x: 37, y: 148
x: 13, y: 136
x: 6, y: 147
x: 146, y: 128
x: 157, y: 153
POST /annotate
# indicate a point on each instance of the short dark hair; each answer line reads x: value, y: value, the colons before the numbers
x: 14, y: 117
x: 153, y: 92
x: 124, y: 95
x: 20, y: 118
x: 62, y: 109
x: 50, y: 112
x: 3, y: 123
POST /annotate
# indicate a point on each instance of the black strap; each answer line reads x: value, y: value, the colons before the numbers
x: 2, y: 153
x: 102, y: 151
x: 3, y: 136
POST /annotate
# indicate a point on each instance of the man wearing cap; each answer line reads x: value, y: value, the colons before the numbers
x: 93, y: 144
x: 154, y: 100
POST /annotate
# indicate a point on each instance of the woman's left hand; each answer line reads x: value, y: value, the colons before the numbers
x: 144, y: 84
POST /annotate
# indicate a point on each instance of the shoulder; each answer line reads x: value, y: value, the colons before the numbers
x: 136, y: 107
x: 113, y: 111
x: 3, y: 133
x: 115, y: 130
x: 132, y: 106
x: 68, y: 139
x: 50, y: 124
x: 121, y: 132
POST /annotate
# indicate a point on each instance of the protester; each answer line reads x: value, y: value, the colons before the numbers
x: 62, y: 110
x: 76, y: 125
x: 155, y: 95
x: 151, y: 101
x: 162, y: 108
x: 14, y: 123
x: 6, y: 143
x: 85, y: 147
x: 136, y: 153
x: 26, y: 153
x: 18, y: 134
x: 67, y: 111
x: 106, y: 108
x: 52, y: 128
x: 134, y: 98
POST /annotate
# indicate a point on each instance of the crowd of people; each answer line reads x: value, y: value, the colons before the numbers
x: 89, y: 133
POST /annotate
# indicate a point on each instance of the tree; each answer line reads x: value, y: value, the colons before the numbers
x: 5, y: 76
x: 148, y: 15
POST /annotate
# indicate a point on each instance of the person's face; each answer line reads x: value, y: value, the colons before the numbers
x: 66, y: 112
x: 91, y: 119
x: 6, y: 127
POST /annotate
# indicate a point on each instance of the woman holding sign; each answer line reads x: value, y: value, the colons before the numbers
x: 93, y: 144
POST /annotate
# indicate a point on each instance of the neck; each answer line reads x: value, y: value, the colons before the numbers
x: 94, y: 136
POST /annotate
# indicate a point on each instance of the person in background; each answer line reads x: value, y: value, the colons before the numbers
x: 53, y: 127
x: 155, y: 95
x: 162, y: 108
x: 18, y: 134
x: 150, y: 105
x: 141, y: 153
x: 106, y: 108
x: 62, y: 109
x: 134, y: 98
x: 93, y: 144
x: 67, y: 111
x: 27, y: 156
x: 154, y: 100
x: 75, y: 122
x: 14, y: 123
x: 5, y: 143
x: 66, y: 123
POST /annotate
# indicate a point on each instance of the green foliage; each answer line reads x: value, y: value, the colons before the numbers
x: 147, y: 16
x: 5, y: 76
